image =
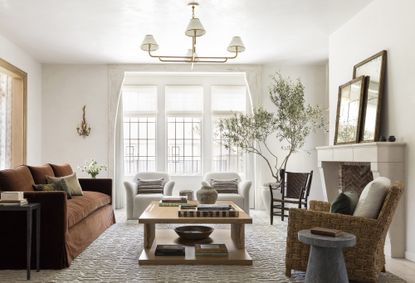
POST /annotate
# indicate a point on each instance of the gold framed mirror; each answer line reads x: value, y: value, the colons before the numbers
x: 374, y: 67
x: 349, y: 107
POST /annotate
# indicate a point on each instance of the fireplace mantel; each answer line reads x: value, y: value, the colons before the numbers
x: 386, y: 159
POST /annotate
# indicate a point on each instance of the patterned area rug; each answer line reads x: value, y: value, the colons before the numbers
x: 113, y: 257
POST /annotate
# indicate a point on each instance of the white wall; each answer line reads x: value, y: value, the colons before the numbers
x: 389, y: 25
x: 66, y: 88
x: 19, y: 58
x: 314, y: 79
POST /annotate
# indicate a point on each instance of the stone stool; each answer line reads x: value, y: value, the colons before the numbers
x: 326, y: 261
x: 188, y: 193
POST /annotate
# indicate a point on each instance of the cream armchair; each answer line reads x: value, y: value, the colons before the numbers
x: 137, y: 203
x: 241, y: 199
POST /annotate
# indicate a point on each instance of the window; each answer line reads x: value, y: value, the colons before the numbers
x: 13, y: 86
x: 140, y: 109
x: 184, y: 150
x: 226, y: 100
x: 184, y: 105
x: 5, y: 118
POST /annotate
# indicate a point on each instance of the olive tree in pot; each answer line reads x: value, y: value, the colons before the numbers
x: 290, y: 124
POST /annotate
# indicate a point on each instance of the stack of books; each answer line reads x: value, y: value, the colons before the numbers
x: 170, y: 250
x: 210, y: 210
x: 211, y: 250
x: 12, y: 198
x: 173, y: 200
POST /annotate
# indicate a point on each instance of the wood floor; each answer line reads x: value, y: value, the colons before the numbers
x: 403, y: 268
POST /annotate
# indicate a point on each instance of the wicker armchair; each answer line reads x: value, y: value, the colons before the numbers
x: 366, y: 260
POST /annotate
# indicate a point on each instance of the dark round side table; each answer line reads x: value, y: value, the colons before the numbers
x: 326, y: 262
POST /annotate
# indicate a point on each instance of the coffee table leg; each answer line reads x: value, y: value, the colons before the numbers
x: 149, y: 233
x: 238, y: 235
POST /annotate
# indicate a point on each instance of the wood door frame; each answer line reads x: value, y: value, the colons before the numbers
x: 19, y: 74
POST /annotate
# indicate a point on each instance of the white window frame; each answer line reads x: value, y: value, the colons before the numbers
x: 141, y: 114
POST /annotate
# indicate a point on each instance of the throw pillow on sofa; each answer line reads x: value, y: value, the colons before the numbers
x: 150, y: 186
x: 372, y: 197
x: 71, y: 182
x: 57, y: 186
x: 345, y: 203
x: 225, y: 186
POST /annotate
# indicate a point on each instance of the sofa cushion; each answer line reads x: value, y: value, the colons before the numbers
x: 71, y: 182
x: 372, y: 197
x: 39, y: 173
x: 228, y: 186
x: 57, y: 186
x: 18, y: 179
x: 61, y: 170
x: 80, y: 207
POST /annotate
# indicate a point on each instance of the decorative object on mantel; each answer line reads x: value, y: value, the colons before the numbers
x: 349, y: 106
x: 291, y: 123
x: 194, y: 29
x: 207, y: 195
x: 92, y: 168
x: 375, y: 68
x: 382, y: 139
x: 391, y: 139
x: 84, y: 129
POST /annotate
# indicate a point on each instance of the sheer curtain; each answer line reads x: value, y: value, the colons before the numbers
x: 5, y: 121
x: 116, y: 141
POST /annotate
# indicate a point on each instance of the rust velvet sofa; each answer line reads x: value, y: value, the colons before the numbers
x: 68, y: 226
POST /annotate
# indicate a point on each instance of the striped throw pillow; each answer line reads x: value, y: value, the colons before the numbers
x: 223, y: 186
x: 150, y: 186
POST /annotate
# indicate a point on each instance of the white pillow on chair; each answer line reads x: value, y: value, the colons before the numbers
x: 372, y: 197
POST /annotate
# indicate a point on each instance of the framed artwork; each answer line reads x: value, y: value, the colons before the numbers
x: 349, y: 108
x: 374, y: 68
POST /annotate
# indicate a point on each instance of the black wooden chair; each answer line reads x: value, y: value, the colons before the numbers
x: 295, y: 189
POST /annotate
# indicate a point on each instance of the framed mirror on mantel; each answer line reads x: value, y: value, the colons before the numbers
x: 374, y: 68
x: 349, y: 107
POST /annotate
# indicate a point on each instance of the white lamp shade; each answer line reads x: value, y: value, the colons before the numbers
x: 195, y: 28
x: 149, y: 43
x: 236, y: 45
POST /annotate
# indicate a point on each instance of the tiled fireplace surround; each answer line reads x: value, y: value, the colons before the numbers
x: 385, y: 159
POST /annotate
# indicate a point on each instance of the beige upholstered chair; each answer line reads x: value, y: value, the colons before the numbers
x: 137, y: 203
x: 241, y: 198
x: 366, y: 260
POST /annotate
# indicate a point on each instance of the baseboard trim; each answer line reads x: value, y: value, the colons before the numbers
x: 410, y: 256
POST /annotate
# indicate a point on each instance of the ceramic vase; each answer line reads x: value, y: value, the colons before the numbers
x: 207, y: 195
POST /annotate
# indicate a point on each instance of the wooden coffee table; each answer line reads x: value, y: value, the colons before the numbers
x: 234, y: 238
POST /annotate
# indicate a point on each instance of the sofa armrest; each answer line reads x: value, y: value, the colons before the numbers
x: 101, y: 185
x: 168, y: 188
x: 320, y: 205
x: 53, y: 215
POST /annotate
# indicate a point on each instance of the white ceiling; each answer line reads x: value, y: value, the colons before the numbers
x: 111, y: 31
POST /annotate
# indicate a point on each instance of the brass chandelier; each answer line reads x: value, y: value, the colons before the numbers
x: 194, y: 29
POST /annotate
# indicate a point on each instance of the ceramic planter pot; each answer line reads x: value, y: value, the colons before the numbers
x: 207, y: 195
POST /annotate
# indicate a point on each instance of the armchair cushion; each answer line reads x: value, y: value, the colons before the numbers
x: 150, y: 186
x: 371, y: 199
x: 225, y: 185
x: 345, y: 203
